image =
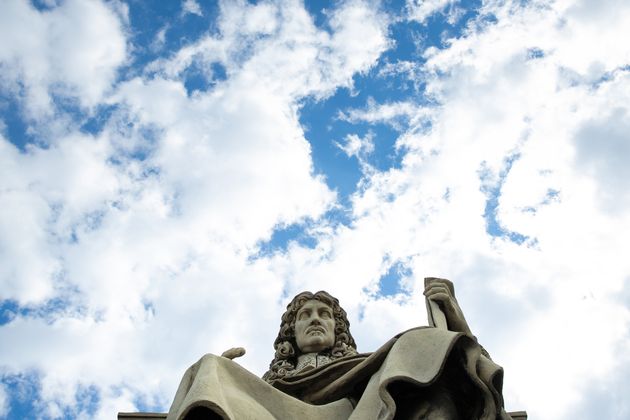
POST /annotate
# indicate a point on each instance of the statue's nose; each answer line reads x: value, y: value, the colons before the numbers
x: 315, y: 320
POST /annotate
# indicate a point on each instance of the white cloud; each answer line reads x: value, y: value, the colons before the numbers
x: 356, y: 146
x: 400, y: 115
x: 160, y: 38
x: 4, y: 402
x: 279, y: 47
x: 420, y: 10
x: 72, y: 50
x: 406, y: 69
x: 192, y: 7
x: 50, y: 191
x: 603, y: 152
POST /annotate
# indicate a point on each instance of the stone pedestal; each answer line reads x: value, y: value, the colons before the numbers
x: 516, y: 415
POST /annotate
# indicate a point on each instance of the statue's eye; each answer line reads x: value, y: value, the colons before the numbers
x: 326, y: 314
x: 303, y: 315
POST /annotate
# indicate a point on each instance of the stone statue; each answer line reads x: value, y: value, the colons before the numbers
x: 436, y: 372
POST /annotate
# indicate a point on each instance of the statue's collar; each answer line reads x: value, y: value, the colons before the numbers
x: 308, y: 361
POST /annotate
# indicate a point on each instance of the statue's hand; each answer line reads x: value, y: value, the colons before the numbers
x: 233, y: 353
x: 441, y: 292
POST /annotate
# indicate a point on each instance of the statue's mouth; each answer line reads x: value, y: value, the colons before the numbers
x: 311, y: 330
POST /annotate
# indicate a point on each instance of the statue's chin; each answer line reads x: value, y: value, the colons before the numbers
x: 313, y: 349
x: 314, y: 342
x: 315, y: 346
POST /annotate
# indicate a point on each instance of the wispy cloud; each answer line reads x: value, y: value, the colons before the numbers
x: 192, y: 7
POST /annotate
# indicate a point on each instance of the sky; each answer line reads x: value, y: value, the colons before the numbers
x: 172, y: 173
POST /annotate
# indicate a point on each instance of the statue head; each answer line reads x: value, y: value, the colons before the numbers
x: 314, y: 327
x: 311, y: 323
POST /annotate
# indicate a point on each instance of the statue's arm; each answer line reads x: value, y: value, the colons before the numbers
x: 442, y: 307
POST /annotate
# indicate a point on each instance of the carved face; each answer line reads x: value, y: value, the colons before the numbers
x: 314, y: 327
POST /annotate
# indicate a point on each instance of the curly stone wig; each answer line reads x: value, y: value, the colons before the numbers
x: 285, y: 359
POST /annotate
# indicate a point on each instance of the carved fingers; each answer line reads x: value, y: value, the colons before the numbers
x: 441, y: 291
x: 233, y: 353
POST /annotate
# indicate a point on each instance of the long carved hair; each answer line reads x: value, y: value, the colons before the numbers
x: 287, y: 351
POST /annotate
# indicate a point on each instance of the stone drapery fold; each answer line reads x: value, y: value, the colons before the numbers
x: 361, y: 387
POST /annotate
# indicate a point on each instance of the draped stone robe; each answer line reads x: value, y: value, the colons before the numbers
x: 419, y: 365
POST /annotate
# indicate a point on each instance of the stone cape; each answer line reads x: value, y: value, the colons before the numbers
x: 365, y: 386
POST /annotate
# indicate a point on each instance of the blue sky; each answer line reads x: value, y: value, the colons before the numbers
x: 167, y: 166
